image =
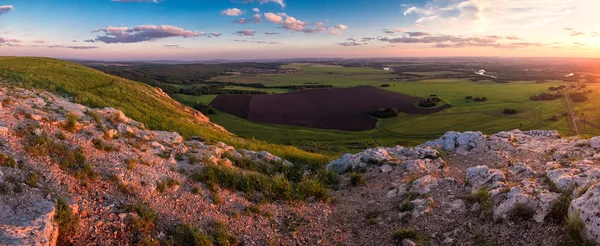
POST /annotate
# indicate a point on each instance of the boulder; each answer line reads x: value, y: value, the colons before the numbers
x: 482, y: 175
x: 30, y: 223
x: 586, y: 209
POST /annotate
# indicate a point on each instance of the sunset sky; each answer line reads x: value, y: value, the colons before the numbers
x: 248, y: 29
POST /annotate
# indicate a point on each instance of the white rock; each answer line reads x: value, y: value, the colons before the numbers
x: 482, y: 175
x: 385, y: 168
x: 586, y: 208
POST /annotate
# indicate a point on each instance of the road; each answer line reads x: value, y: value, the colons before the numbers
x: 571, y: 112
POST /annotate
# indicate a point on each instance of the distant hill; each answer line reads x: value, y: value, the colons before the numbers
x: 141, y: 102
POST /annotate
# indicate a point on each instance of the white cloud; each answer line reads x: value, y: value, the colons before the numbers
x: 6, y: 9
x: 256, y: 10
x: 488, y: 14
x: 341, y: 27
x: 232, y: 12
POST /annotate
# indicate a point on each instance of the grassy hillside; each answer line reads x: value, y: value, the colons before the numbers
x: 138, y: 101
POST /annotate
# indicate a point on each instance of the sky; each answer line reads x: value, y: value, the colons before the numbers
x: 265, y: 29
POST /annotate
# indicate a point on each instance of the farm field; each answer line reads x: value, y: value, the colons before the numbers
x: 334, y: 108
x: 407, y: 129
x: 415, y: 79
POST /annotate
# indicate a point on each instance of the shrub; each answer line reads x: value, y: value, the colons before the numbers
x: 372, y: 216
x: 144, y: 222
x: 385, y: 85
x: 312, y: 187
x: 205, y: 109
x: 185, y: 234
x: 383, y: 113
x: 32, y: 179
x: 545, y: 97
x: 65, y: 219
x: 71, y: 122
x: 7, y: 161
x: 104, y: 146
x: 329, y: 177
x: 574, y: 233
x: 220, y: 235
x: 96, y: 117
x: 480, y: 99
x: 356, y: 179
x: 410, y: 234
x: 469, y: 98
x: 168, y: 183
x: 432, y: 101
x: 510, y: 111
x: 482, y: 196
x: 560, y: 209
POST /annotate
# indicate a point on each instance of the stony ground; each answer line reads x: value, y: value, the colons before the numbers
x: 95, y: 174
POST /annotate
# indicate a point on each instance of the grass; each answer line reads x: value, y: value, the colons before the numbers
x: 138, y: 101
x: 560, y: 209
x: 144, y: 222
x: 168, y: 183
x: 185, y: 234
x: 410, y: 234
x: 574, y: 233
x: 71, y: 159
x: 409, y: 130
x: 100, y: 144
x: 482, y: 196
x: 7, y: 161
x: 356, y: 179
x: 66, y: 220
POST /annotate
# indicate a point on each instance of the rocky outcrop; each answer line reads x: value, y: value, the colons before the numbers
x: 522, y: 174
x: 30, y: 221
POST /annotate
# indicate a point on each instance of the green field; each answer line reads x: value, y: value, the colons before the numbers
x: 414, y: 129
x: 333, y: 69
x: 406, y: 129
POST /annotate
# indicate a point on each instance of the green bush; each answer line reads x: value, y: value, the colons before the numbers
x: 7, y: 161
x: 71, y: 122
x: 144, y: 223
x: 312, y: 187
x: 65, y: 219
x: 410, y: 234
x: 356, y: 179
x: 186, y: 235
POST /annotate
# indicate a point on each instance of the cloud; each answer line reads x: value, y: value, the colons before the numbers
x: 351, y: 44
x: 488, y: 14
x: 232, y: 12
x: 245, y: 33
x: 136, y: 1
x: 173, y: 46
x: 41, y: 41
x: 216, y: 34
x: 73, y: 47
x: 513, y: 38
x: 272, y: 33
x: 257, y: 19
x: 391, y: 31
x: 368, y: 39
x: 141, y: 34
x: 258, y: 41
x: 8, y: 40
x: 417, y: 34
x: 341, y: 27
x: 6, y: 8
x: 450, y: 41
x: 280, y: 2
x: 290, y: 23
x: 575, y: 34
x: 256, y: 10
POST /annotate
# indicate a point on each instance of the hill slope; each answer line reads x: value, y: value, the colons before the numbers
x: 139, y: 101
